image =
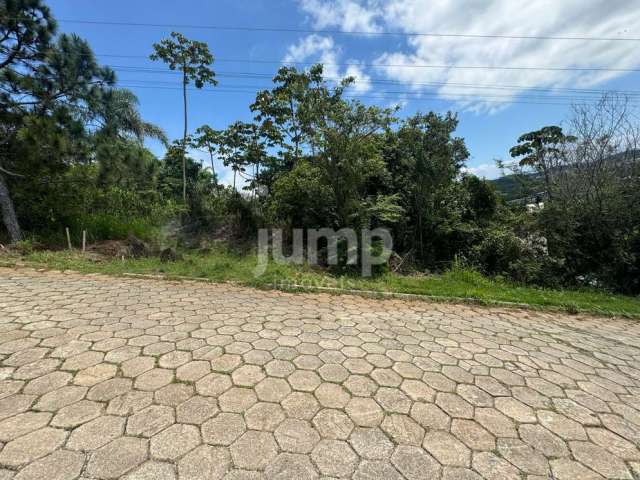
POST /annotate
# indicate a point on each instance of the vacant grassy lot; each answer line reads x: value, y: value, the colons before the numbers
x: 223, y: 266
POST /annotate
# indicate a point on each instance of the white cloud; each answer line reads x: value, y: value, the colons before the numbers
x: 322, y: 49
x: 594, y: 18
x: 484, y: 170
x: 345, y: 14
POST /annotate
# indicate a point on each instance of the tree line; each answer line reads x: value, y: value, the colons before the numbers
x: 72, y: 154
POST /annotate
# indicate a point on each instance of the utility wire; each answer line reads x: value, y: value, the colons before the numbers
x: 267, y: 76
x: 241, y: 28
x: 449, y: 98
x: 415, y: 65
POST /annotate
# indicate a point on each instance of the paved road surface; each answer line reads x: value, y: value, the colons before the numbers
x: 127, y: 378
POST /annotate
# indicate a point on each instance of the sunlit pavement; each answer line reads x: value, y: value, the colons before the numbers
x: 127, y: 378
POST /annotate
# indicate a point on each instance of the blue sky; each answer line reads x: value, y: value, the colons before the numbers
x: 495, y: 106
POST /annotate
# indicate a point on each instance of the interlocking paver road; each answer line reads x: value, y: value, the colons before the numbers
x: 140, y: 379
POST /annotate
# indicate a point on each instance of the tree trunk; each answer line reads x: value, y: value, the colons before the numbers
x: 9, y: 213
x: 213, y: 171
x: 184, y: 141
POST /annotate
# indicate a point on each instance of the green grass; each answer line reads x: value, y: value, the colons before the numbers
x: 224, y: 266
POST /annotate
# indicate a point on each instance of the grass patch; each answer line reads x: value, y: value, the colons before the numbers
x: 222, y: 265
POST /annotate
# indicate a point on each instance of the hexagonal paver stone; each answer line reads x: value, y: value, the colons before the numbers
x: 62, y: 397
x: 15, y: 404
x: 473, y: 435
x: 129, y: 403
x: 439, y: 382
x: 403, y: 430
x: 307, y: 362
x: 393, y: 400
x: 496, y: 422
x: 47, y: 383
x: 376, y: 469
x: 543, y: 440
x: 364, y: 412
x: 264, y: 416
x: 226, y: 363
x: 247, y: 375
x: 598, y: 459
x: 302, y: 406
x: 612, y: 442
x: 93, y: 375
x: 475, y: 396
x: 332, y: 372
x: 418, y: 391
x: 454, y: 405
x: 193, y: 371
x: 117, y: 457
x: 331, y: 395
x: 23, y: 423
x: 561, y: 425
x: 83, y: 360
x: 254, y: 450
x: 576, y: 412
x: 371, y: 443
x: 360, y: 385
x: 296, y: 436
x: 491, y: 466
x: 213, y: 385
x: 151, y: 470
x: 174, y: 359
x: 386, y: 377
x: 515, y: 409
x: 137, y: 366
x: 447, y: 449
x: 272, y: 389
x: 196, y: 410
x: 60, y: 465
x: 96, y: 433
x: 173, y: 394
x: 237, y: 400
x: 77, y: 414
x: 430, y: 416
x: 303, y: 380
x: 223, y: 429
x: 154, y: 379
x: 525, y: 458
x: 279, y: 368
x: 32, y: 446
x: 205, y: 463
x: 566, y: 469
x: 174, y: 441
x: 414, y: 463
x: 333, y: 424
x: 334, y: 458
x: 291, y: 466
x: 151, y: 420
x: 109, y: 389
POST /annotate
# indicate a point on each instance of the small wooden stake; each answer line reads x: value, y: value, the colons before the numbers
x: 68, y: 237
x: 84, y: 240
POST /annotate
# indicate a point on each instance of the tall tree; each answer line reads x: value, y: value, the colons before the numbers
x: 207, y: 137
x: 193, y: 59
x: 26, y: 28
x: 542, y: 150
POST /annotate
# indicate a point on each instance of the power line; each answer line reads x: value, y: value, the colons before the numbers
x: 434, y: 66
x: 374, y: 80
x: 241, y: 28
x: 396, y: 96
x: 403, y: 92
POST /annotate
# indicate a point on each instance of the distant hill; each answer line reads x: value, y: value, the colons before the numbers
x: 514, y: 187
